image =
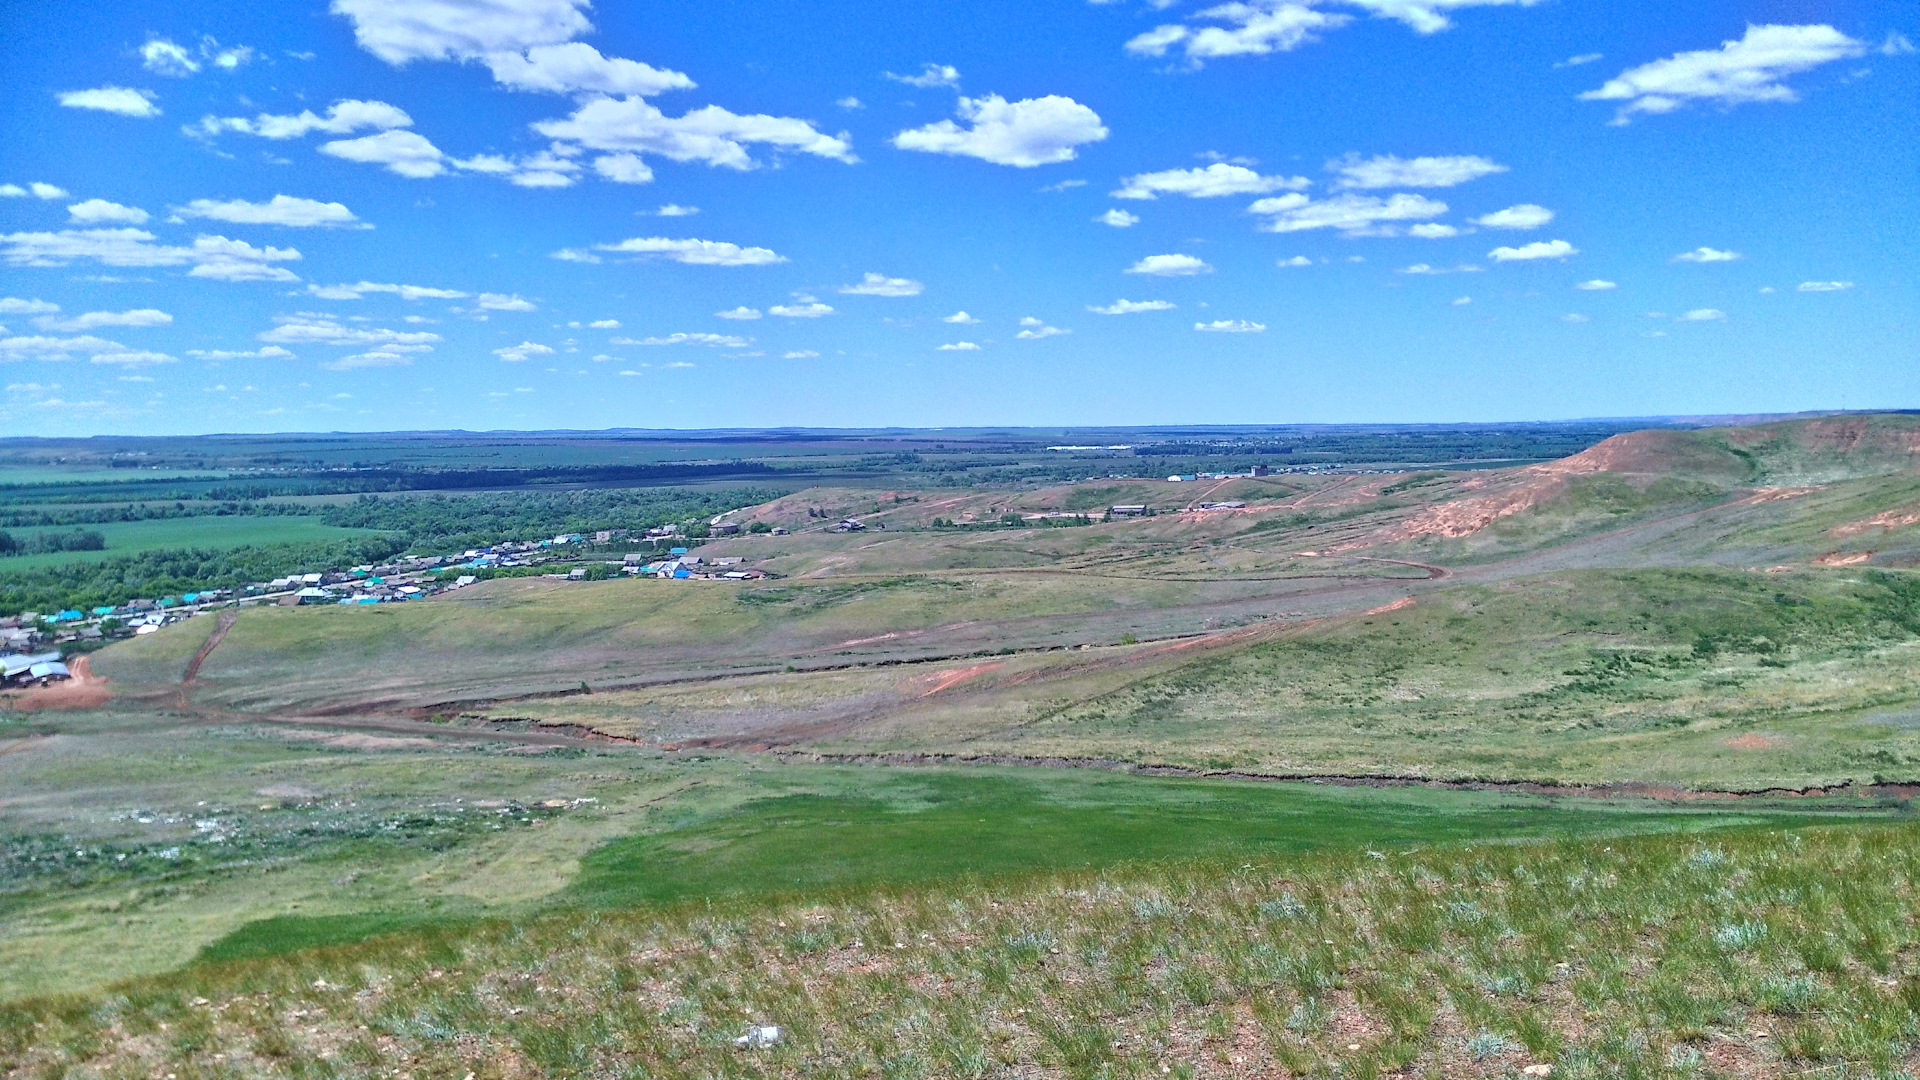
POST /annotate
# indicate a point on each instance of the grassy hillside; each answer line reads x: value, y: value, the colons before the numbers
x: 1695, y: 677
x: 132, y: 848
x: 1758, y: 953
x: 516, y: 637
x: 1794, y: 452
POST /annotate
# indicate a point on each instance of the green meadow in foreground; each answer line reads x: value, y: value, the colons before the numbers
x: 1739, y: 952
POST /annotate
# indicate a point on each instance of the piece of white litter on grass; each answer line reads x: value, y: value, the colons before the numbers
x: 759, y: 1037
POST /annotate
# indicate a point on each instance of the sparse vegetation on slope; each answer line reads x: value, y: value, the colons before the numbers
x: 1705, y: 678
x: 1751, y: 954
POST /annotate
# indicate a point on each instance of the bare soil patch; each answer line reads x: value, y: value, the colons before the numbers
x: 84, y: 690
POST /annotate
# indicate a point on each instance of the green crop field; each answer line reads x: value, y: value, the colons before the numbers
x: 134, y: 537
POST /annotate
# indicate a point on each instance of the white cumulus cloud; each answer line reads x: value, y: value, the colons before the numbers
x: 931, y: 75
x: 1522, y: 216
x: 1539, y: 249
x: 317, y: 330
x: 1119, y: 219
x: 632, y: 125
x: 401, y: 31
x: 279, y: 210
x: 959, y: 317
x: 959, y: 346
x: 96, y: 350
x: 1230, y: 326
x: 1702, y: 315
x: 1036, y: 330
x: 113, y: 99
x: 92, y: 320
x: 741, y: 313
x: 1433, y: 230
x: 265, y: 352
x: 222, y: 259
x: 342, y: 118
x: 404, y: 292
x: 212, y: 256
x: 13, y: 305
x: 799, y: 354
x: 1825, y: 286
x: 402, y: 152
x: 1129, y: 307
x: 1034, y: 131
x: 1386, y: 170
x: 1354, y: 215
x: 872, y: 284
x: 1261, y: 27
x: 37, y: 189
x: 1211, y: 182
x: 1170, y: 266
x: 488, y: 301
x: 801, y: 311
x: 1249, y: 29
x: 1297, y: 260
x: 1707, y: 255
x: 164, y: 57
x: 524, y: 350
x: 694, y: 252
x: 1747, y: 70
x: 1597, y: 285
x: 576, y: 67
x: 382, y: 356
x: 723, y: 341
x: 102, y: 212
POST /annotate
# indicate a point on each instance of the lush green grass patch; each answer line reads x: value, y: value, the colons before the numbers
x: 292, y: 933
x: 911, y: 826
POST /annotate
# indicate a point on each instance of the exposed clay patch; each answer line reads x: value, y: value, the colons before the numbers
x: 1775, y: 494
x: 1889, y: 520
x: 1401, y: 604
x: 1843, y: 558
x: 941, y: 680
x: 1754, y: 742
x: 84, y: 690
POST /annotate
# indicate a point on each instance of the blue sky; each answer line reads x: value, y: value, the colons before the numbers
x: 379, y: 214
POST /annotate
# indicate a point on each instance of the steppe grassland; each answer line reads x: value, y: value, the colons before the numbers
x: 134, y: 847
x: 1751, y: 953
x: 108, y: 872
x: 506, y: 637
x: 1702, y: 678
x: 1705, y: 678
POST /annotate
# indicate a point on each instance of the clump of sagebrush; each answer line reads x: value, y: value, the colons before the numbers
x: 1759, y: 952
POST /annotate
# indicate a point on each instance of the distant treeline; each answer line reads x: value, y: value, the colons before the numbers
x: 48, y: 542
x: 441, y: 524
x: 279, y: 484
x: 102, y: 515
x: 152, y: 574
x: 378, y: 479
